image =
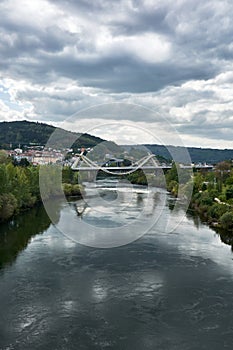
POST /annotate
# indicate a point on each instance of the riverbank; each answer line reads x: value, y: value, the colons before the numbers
x: 212, y: 193
x: 20, y: 187
x: 217, y: 214
x: 212, y: 196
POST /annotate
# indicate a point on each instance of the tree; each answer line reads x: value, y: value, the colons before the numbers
x: 172, y: 174
x: 222, y: 172
x: 226, y: 220
x: 198, y: 182
x: 3, y: 157
x: 229, y: 192
x: 24, y: 162
x: 8, y: 206
x: 3, y: 179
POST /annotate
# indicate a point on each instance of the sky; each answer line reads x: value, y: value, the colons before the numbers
x: 145, y: 70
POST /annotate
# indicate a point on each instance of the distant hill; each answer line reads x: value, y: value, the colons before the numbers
x: 13, y: 134
x: 197, y: 155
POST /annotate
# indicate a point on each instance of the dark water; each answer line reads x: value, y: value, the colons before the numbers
x: 164, y: 291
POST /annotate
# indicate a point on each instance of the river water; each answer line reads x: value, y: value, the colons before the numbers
x: 166, y: 291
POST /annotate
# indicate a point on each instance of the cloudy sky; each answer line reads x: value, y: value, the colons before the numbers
x: 69, y: 57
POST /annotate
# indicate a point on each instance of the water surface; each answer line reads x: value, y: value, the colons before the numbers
x: 163, y: 291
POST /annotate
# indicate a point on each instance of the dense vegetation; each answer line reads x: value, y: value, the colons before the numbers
x: 212, y: 192
x: 31, y: 133
x: 19, y: 185
x: 24, y: 132
x: 212, y: 196
x: 197, y: 155
x: 19, y: 189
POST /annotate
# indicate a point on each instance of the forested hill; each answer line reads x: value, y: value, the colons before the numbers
x: 197, y: 155
x: 31, y: 133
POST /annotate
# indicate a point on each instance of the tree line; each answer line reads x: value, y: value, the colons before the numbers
x: 20, y: 188
x: 212, y: 193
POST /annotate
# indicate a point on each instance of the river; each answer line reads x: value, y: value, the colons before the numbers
x: 170, y: 290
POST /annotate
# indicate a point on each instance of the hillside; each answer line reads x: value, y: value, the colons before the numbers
x: 197, y: 155
x: 25, y: 133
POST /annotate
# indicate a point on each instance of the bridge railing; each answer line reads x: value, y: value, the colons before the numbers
x: 82, y: 163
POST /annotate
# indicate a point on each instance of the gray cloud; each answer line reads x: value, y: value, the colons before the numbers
x: 57, y: 57
x: 117, y: 70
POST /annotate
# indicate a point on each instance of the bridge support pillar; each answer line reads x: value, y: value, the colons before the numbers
x: 87, y: 176
x: 91, y: 175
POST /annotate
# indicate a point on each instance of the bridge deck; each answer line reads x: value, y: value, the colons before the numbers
x: 145, y: 167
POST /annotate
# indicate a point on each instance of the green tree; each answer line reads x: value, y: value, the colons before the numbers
x: 172, y: 174
x: 8, y: 206
x: 3, y: 179
x: 226, y: 220
x: 198, y: 182
x: 4, y: 159
x: 229, y: 192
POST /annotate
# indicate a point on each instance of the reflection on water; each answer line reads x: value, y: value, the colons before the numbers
x: 111, y: 217
x: 164, y: 291
x: 128, y: 206
x: 15, y: 235
x: 225, y: 236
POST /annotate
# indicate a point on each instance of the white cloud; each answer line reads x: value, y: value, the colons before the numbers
x: 175, y: 58
x: 36, y: 13
x: 148, y: 47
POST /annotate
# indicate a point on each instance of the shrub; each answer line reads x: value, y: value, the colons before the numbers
x: 226, y: 220
x: 217, y: 210
x: 206, y: 198
x: 67, y: 188
x: 76, y: 190
x: 8, y: 206
x: 71, y: 190
x: 173, y: 187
